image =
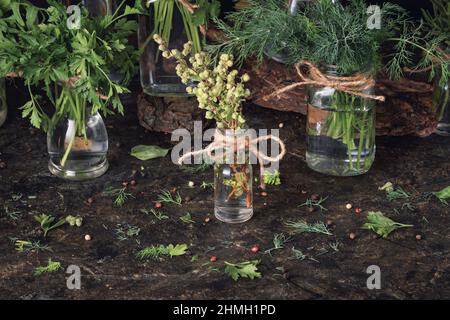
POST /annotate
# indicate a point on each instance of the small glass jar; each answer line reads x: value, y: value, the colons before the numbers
x: 3, y: 105
x: 233, y: 177
x: 441, y: 101
x: 77, y: 149
x: 158, y: 75
x: 340, y: 132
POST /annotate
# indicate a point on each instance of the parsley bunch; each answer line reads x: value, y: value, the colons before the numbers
x: 38, y: 45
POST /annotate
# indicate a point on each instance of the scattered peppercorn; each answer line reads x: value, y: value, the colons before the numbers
x: 3, y: 165
x: 158, y: 205
x: 348, y: 206
x: 125, y: 184
x: 358, y: 210
x: 213, y: 259
x: 255, y: 249
x: 281, y: 125
x: 352, y: 236
x: 207, y: 219
x: 90, y: 200
x: 264, y: 194
x: 87, y: 237
x: 418, y: 237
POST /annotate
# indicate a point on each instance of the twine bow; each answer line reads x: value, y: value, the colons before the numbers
x: 239, y: 143
x: 355, y: 85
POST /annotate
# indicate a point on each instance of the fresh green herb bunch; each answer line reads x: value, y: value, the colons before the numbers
x: 38, y: 45
x: 438, y: 21
x: 219, y: 89
x: 419, y: 48
x: 201, y: 11
x: 323, y: 32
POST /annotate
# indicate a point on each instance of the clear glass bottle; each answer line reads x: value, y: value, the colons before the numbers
x: 3, y: 105
x: 77, y: 151
x: 441, y: 101
x: 158, y: 75
x: 233, y: 192
x: 340, y: 132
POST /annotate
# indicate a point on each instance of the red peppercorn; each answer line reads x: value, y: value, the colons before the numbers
x: 358, y: 210
x: 352, y: 236
x: 264, y: 194
x: 418, y: 237
x: 125, y: 184
x: 158, y: 205
x: 255, y: 249
x: 213, y: 259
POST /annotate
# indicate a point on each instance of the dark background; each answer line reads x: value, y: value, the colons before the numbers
x: 413, y: 6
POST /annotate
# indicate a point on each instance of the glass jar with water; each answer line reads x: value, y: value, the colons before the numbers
x: 340, y: 132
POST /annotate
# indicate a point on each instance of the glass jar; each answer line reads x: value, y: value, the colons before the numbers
x: 77, y: 148
x: 340, y: 132
x: 233, y: 177
x: 3, y: 105
x: 158, y: 75
x: 441, y: 102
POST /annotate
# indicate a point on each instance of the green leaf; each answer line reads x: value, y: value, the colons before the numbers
x: 246, y: 269
x: 178, y: 250
x: 382, y: 225
x: 443, y: 194
x: 147, y: 152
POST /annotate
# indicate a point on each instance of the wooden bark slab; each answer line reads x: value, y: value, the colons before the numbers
x: 168, y: 113
x: 408, y: 108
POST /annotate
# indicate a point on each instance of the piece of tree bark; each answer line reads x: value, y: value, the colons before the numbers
x: 165, y: 114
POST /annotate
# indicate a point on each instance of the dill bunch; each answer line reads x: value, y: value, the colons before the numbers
x: 322, y: 32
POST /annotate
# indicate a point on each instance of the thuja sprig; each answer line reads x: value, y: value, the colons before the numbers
x: 219, y: 89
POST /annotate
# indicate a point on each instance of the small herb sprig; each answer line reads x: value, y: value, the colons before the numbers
x: 25, y: 246
x: 120, y: 195
x: 301, y: 226
x: 315, y: 203
x: 158, y: 214
x: 52, y: 266
x: 279, y: 240
x: 382, y: 225
x: 155, y: 252
x: 48, y: 222
x: 272, y: 178
x: 166, y: 196
x: 245, y: 269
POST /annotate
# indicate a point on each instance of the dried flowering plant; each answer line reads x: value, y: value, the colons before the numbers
x: 219, y: 89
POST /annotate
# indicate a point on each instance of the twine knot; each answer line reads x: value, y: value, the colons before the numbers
x: 355, y: 84
x: 238, y: 144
